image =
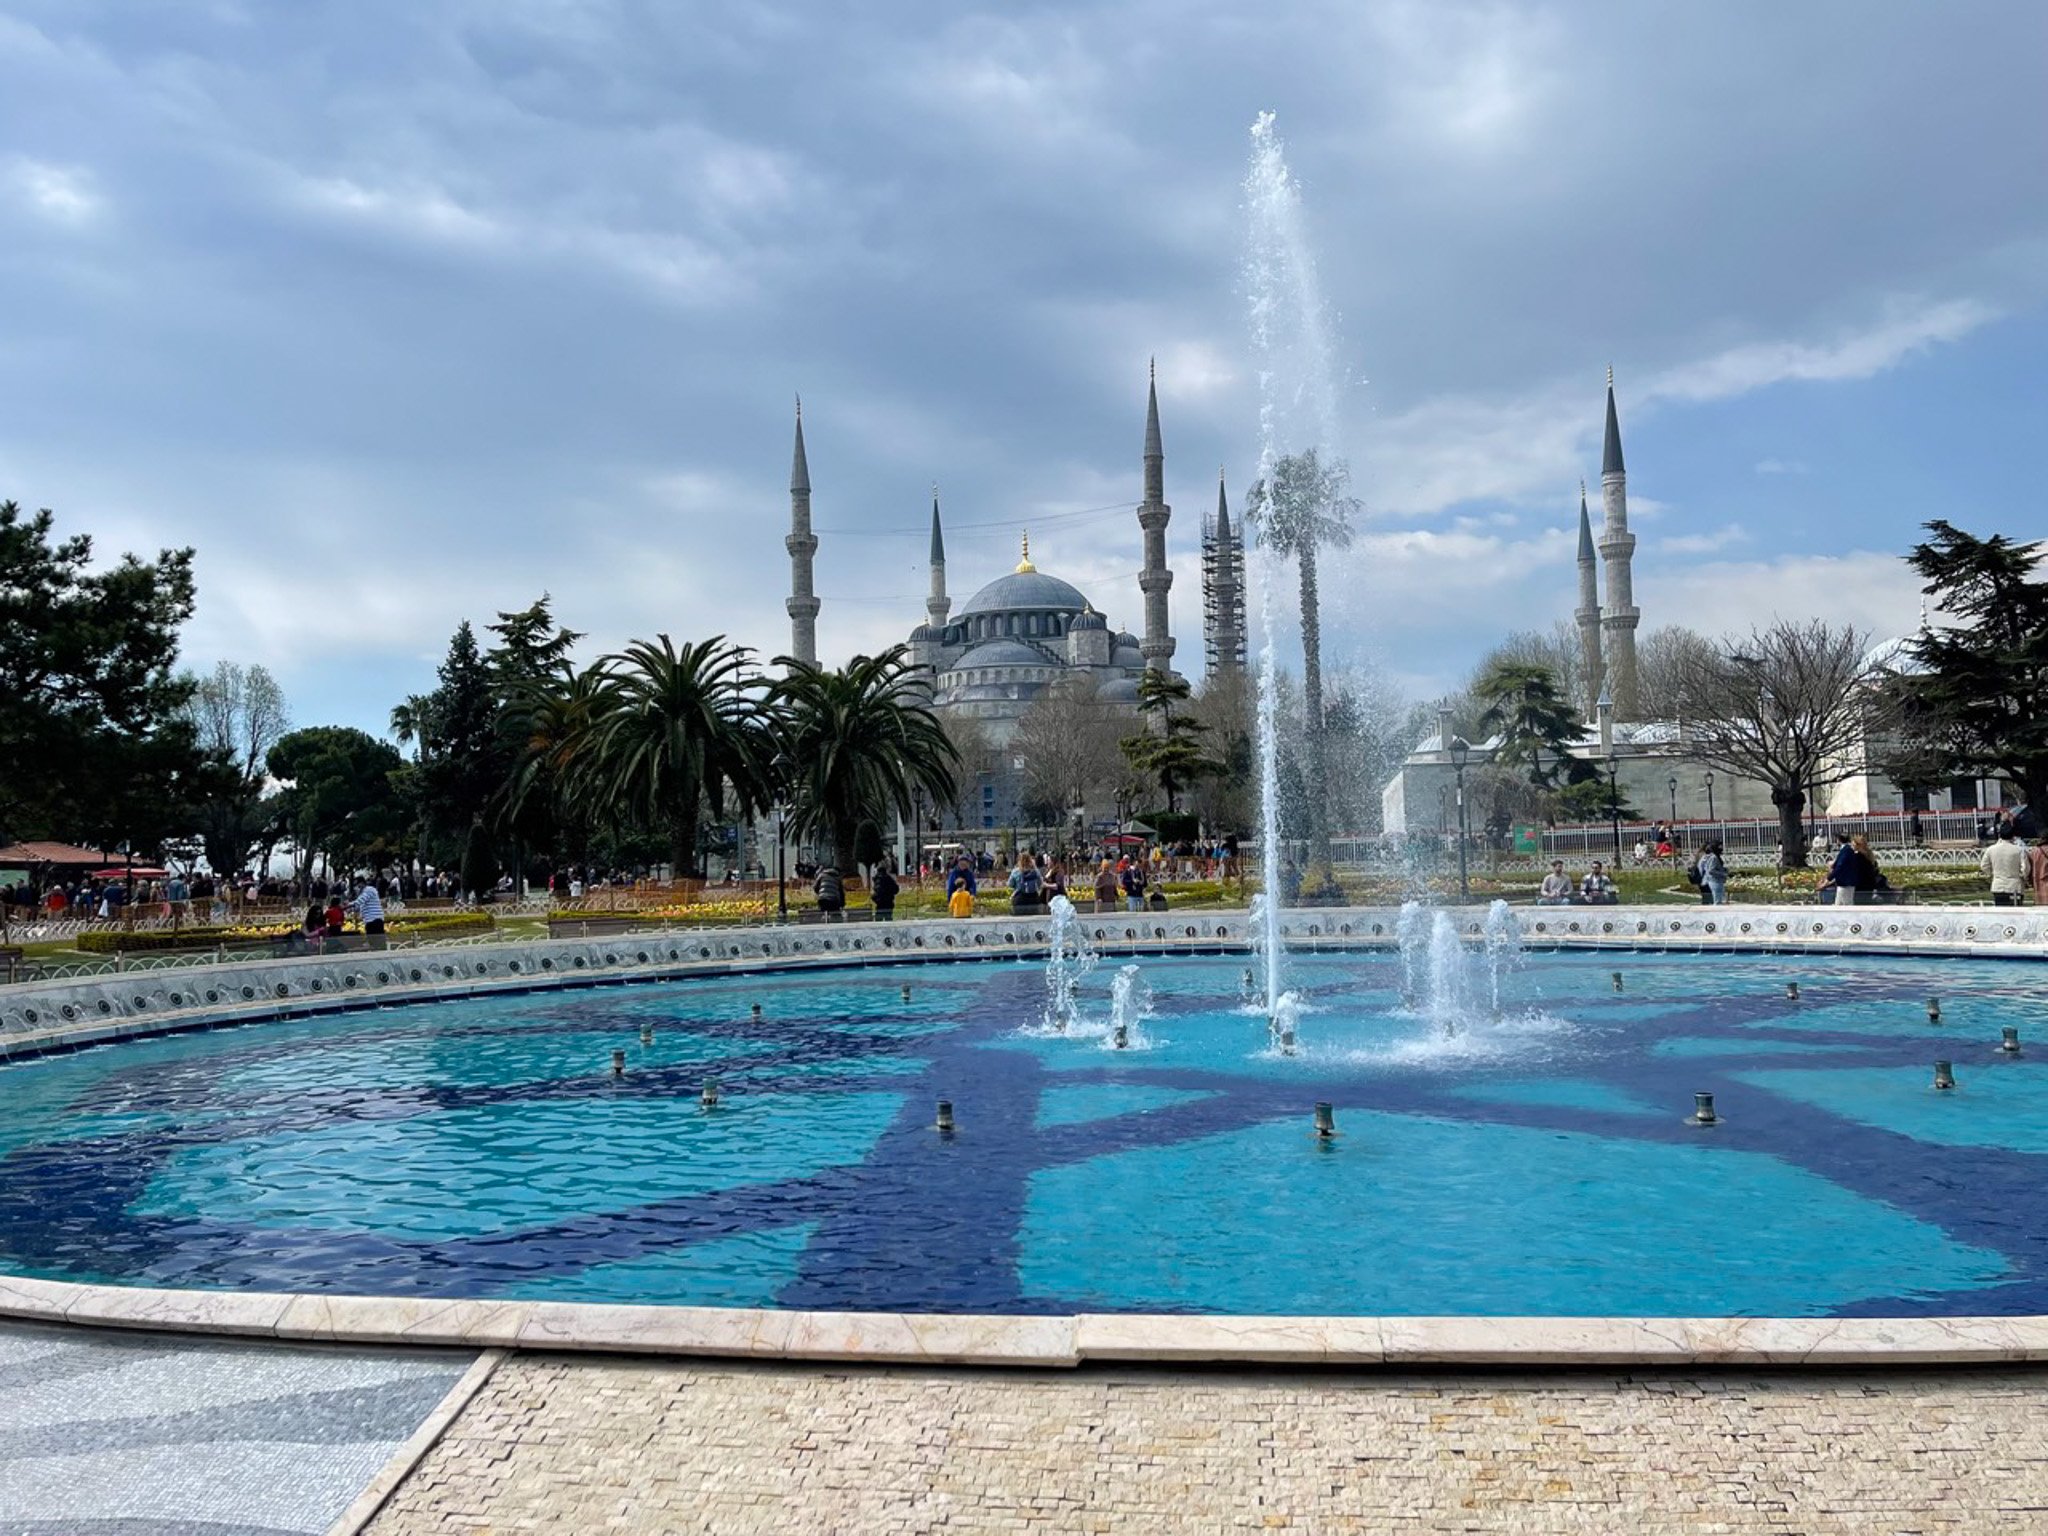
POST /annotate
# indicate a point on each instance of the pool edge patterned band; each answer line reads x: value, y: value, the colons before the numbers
x: 1062, y: 1341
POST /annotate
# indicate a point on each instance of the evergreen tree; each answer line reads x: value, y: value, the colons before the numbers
x: 1975, y: 706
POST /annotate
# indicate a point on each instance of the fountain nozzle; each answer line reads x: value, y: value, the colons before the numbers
x: 618, y: 1063
x: 1617, y: 981
x: 709, y: 1097
x: 1934, y: 1010
x: 944, y: 1123
x: 1326, y: 1122
x: 1792, y: 990
x: 1944, y: 1075
x: 1703, y: 1110
x: 2009, y: 1040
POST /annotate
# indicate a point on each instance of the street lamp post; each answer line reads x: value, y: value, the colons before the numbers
x: 1614, y: 802
x: 781, y: 869
x: 1710, y: 794
x: 1461, y: 751
x: 1674, y: 797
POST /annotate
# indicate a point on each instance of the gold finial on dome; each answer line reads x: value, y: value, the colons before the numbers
x: 1024, y: 566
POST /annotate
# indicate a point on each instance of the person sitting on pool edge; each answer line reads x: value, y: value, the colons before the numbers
x: 1596, y: 890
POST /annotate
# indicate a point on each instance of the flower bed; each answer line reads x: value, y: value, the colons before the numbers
x: 430, y: 925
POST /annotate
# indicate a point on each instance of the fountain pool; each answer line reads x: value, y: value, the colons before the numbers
x: 1535, y: 1162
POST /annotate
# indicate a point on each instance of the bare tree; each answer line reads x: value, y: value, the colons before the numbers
x: 978, y: 758
x: 1067, y: 743
x: 1663, y: 657
x: 1789, y: 706
x: 1227, y: 706
x: 239, y: 714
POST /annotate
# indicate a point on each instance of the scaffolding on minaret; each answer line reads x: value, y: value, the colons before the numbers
x: 1223, y: 627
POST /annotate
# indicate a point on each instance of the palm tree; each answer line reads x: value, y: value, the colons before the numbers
x: 859, y: 745
x: 549, y: 722
x: 672, y: 730
x: 1300, y: 508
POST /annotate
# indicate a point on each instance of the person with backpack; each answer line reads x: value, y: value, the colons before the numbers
x: 883, y: 888
x: 831, y: 889
x: 1027, y: 886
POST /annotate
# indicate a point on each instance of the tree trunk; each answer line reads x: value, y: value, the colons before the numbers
x: 683, y: 845
x: 842, y: 847
x: 1791, y: 832
x: 1318, y: 794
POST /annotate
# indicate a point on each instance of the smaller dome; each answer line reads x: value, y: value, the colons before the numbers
x: 1125, y: 638
x: 1127, y: 656
x: 1003, y: 653
x: 1894, y: 656
x: 1118, y: 690
x: 924, y: 633
x: 1090, y: 619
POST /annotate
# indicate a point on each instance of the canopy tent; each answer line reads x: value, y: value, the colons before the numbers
x: 54, y: 855
x: 140, y: 872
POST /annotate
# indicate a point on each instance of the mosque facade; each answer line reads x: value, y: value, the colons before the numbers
x: 1027, y: 630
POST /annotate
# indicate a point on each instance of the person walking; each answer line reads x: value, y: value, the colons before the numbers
x: 2037, y: 870
x: 831, y: 889
x: 1134, y: 884
x: 2005, y: 864
x: 1840, y: 885
x: 1869, y: 880
x: 1713, y: 876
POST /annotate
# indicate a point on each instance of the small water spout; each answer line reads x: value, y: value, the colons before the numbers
x: 1284, y: 1026
x: 1944, y: 1075
x: 1411, y: 930
x: 709, y: 1097
x: 1703, y: 1110
x: 2009, y: 1040
x: 943, y: 1122
x: 618, y: 1063
x: 1326, y: 1121
x: 1071, y: 958
x: 1130, y: 1005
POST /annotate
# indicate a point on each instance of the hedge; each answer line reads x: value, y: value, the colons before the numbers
x: 108, y: 941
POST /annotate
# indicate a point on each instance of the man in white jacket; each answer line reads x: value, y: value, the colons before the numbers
x: 2005, y: 862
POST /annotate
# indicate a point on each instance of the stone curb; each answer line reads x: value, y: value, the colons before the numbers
x: 364, y: 1507
x: 1063, y: 1341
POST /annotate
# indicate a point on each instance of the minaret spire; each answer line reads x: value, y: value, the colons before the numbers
x: 802, y: 545
x: 1591, y: 666
x: 1617, y: 550
x: 936, y: 604
x: 1154, y: 580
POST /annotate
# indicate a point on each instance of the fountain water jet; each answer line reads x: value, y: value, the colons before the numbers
x: 1071, y: 959
x: 1130, y: 1005
x: 1290, y: 335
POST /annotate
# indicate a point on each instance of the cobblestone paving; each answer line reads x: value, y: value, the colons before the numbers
x: 560, y: 1444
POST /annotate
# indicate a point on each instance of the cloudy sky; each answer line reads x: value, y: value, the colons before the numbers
x: 403, y: 311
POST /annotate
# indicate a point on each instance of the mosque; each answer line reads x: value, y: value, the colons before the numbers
x: 1026, y: 630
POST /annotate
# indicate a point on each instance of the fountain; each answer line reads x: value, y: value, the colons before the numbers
x: 1289, y: 334
x: 1444, y: 982
x: 1071, y: 959
x: 1130, y: 1005
x: 1284, y: 1029
x: 1411, y: 931
x: 1503, y: 950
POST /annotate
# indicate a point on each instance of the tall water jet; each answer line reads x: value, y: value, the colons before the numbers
x: 1411, y: 930
x: 1290, y: 338
x: 1130, y: 1005
x: 1449, y: 1004
x: 1071, y: 959
x: 1503, y: 950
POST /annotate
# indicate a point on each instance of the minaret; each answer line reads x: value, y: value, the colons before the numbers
x: 1222, y: 589
x: 1155, y: 578
x: 802, y: 544
x: 1592, y: 669
x: 937, y: 605
x: 1617, y: 546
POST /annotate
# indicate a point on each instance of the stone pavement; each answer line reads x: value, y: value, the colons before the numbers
x: 583, y: 1444
x: 134, y: 1434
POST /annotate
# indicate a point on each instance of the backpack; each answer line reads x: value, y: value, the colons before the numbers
x: 1692, y: 873
x: 1029, y: 883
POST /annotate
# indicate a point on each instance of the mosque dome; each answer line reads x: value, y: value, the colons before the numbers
x: 1118, y: 690
x: 1003, y: 653
x: 1894, y: 655
x: 1090, y: 619
x: 1026, y: 592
